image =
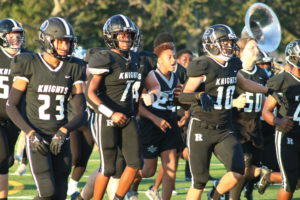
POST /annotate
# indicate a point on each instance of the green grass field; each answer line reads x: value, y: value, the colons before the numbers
x: 22, y: 187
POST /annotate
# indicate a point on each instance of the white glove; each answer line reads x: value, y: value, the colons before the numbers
x: 239, y: 102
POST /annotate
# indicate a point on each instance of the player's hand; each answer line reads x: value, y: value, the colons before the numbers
x: 37, y: 143
x: 206, y: 101
x: 239, y: 102
x: 162, y: 124
x: 148, y: 98
x: 178, y: 90
x: 286, y: 123
x: 119, y: 118
x: 183, y: 120
x: 57, y: 141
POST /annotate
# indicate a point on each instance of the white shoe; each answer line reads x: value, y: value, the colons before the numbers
x: 153, y: 194
x: 21, y: 170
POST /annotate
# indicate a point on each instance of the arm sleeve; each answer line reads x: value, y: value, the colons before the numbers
x: 13, y: 111
x: 79, y: 103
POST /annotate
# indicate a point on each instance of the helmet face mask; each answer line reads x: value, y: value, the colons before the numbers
x: 8, y: 38
x: 292, y: 53
x: 220, y: 40
x: 120, y: 24
x: 56, y: 28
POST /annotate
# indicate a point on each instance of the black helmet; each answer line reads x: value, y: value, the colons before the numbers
x: 56, y: 28
x: 10, y: 26
x: 212, y: 38
x: 263, y: 58
x: 292, y: 53
x: 118, y: 24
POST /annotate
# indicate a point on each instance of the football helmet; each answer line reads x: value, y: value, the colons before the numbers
x: 119, y: 24
x: 11, y: 26
x: 220, y: 40
x: 56, y: 28
x: 263, y: 58
x: 292, y: 53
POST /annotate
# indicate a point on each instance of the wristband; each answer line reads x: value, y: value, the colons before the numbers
x: 105, y: 110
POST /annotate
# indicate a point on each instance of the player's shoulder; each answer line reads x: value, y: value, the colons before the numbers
x: 199, y: 66
x: 99, y: 57
x: 276, y: 81
x: 235, y: 62
x: 25, y: 57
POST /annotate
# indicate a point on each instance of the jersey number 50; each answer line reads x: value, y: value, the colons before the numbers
x: 5, y: 88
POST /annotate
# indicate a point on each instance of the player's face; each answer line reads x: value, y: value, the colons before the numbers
x: 185, y: 59
x: 14, y: 39
x: 62, y: 47
x: 167, y: 60
x: 227, y: 47
x: 124, y: 40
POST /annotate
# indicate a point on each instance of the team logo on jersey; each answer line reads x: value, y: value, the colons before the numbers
x: 152, y: 149
x: 109, y: 122
x: 67, y: 77
x: 198, y: 137
x: 44, y: 25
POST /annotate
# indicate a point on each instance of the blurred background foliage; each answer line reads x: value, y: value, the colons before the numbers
x: 185, y: 19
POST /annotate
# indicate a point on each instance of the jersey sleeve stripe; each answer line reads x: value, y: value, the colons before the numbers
x: 76, y: 82
x: 97, y: 71
x: 21, y: 77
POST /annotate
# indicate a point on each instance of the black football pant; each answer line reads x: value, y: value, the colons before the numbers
x: 50, y: 172
x: 111, y: 139
x: 288, y: 156
x: 8, y: 137
x: 202, y: 143
x: 82, y: 144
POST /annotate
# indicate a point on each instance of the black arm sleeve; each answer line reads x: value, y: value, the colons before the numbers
x: 13, y: 112
x: 187, y: 98
x: 81, y: 113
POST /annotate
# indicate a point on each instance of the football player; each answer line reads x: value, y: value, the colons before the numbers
x: 160, y: 134
x: 113, y: 91
x: 287, y: 122
x: 247, y: 112
x: 210, y: 126
x: 12, y: 38
x: 48, y: 80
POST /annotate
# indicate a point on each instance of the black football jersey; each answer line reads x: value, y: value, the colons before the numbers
x: 119, y: 87
x: 254, y: 101
x: 289, y: 85
x: 181, y: 73
x: 220, y: 82
x: 164, y: 106
x: 48, y: 89
x: 5, y: 80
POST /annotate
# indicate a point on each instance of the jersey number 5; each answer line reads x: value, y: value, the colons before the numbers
x: 46, y: 99
x: 3, y: 87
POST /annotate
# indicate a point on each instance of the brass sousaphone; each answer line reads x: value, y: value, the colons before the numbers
x: 262, y: 24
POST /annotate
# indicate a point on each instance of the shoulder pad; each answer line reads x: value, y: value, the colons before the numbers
x: 100, y: 58
x: 93, y: 50
x: 24, y: 57
x: 76, y: 60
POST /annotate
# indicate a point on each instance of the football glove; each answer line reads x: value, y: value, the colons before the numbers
x: 57, y: 141
x: 206, y: 101
x: 239, y: 102
x: 38, y: 144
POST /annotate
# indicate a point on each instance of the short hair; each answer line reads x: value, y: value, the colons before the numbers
x: 165, y: 46
x: 162, y: 38
x: 183, y: 51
